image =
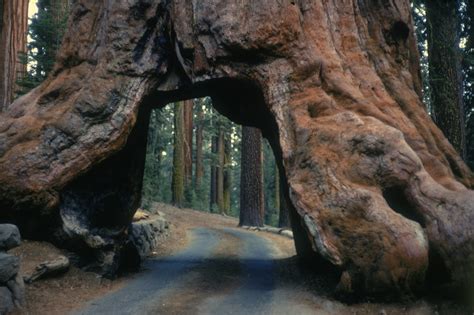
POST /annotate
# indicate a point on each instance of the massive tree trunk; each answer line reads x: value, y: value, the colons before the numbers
x: 251, y: 185
x: 445, y: 75
x: 376, y: 189
x: 13, y: 31
x: 178, y: 180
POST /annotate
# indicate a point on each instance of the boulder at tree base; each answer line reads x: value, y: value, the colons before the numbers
x: 335, y: 86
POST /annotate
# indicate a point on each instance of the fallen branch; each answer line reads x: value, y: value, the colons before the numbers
x: 49, y: 268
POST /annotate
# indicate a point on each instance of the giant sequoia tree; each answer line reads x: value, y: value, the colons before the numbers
x: 13, y: 30
x: 375, y: 187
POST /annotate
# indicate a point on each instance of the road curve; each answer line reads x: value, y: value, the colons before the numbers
x: 222, y: 271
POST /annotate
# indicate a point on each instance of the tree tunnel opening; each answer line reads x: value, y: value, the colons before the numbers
x: 238, y: 100
x: 96, y: 209
x: 242, y: 102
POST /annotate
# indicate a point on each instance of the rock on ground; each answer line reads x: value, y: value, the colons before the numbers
x: 6, y: 301
x: 9, y: 236
x: 12, y: 291
x: 146, y: 234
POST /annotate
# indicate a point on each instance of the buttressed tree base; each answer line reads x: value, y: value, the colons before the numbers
x: 376, y: 189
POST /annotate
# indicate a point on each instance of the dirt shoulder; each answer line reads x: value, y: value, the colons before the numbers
x: 76, y: 287
x: 61, y: 294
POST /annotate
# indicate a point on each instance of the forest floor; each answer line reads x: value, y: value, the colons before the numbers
x: 213, y: 264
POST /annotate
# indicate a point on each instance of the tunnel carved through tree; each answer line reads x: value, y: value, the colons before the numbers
x: 375, y: 189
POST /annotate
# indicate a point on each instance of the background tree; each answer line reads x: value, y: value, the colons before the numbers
x: 213, y: 167
x: 211, y: 129
x: 46, y: 31
x: 251, y: 186
x: 468, y: 71
x: 227, y: 185
x: 445, y: 76
x: 199, y: 169
x: 188, y: 142
x: 178, y: 180
x: 13, y: 31
x: 280, y: 202
x: 220, y: 168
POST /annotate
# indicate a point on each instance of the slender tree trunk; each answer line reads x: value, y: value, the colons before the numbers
x: 468, y: 82
x: 13, y: 36
x: 227, y: 175
x: 178, y: 156
x: 199, y: 171
x: 251, y: 185
x: 220, y: 171
x: 188, y: 141
x: 280, y: 201
x: 445, y: 74
x: 213, y: 181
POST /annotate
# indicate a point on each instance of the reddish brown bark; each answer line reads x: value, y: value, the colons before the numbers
x: 14, y: 28
x: 377, y: 190
x: 188, y: 141
x: 199, y: 170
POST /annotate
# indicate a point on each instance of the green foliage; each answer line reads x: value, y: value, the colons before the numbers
x: 272, y: 211
x: 419, y: 17
x: 45, y: 33
x: 159, y: 162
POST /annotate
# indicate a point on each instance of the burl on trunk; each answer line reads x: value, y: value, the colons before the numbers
x: 376, y: 189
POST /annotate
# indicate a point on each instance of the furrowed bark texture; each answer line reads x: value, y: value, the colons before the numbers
x: 179, y: 155
x: 13, y: 30
x: 251, y: 185
x: 445, y: 74
x: 376, y: 189
x: 199, y: 166
x: 188, y: 142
